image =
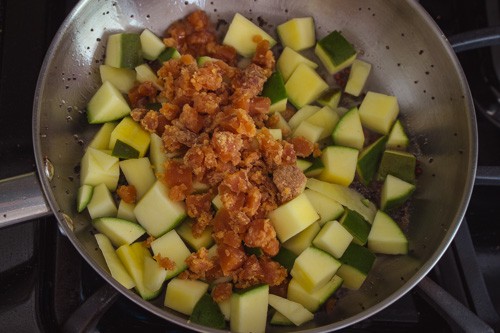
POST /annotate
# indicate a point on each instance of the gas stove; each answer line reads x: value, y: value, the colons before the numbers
x: 44, y: 281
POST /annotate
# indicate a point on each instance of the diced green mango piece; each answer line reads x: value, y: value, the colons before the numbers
x: 139, y: 173
x: 397, y: 137
x: 395, y: 192
x: 349, y: 131
x: 333, y: 238
x: 369, y: 160
x: 357, y: 262
x: 308, y: 131
x: 249, y: 309
x: 183, y: 295
x: 115, y: 266
x: 353, y: 222
x: 326, y: 118
x: 280, y: 320
x: 399, y: 164
x: 151, y: 45
x: 274, y: 89
x: 313, y: 300
x: 294, y: 311
x: 119, y: 231
x: 83, y: 197
x: 102, y: 203
x: 327, y: 208
x: 122, y: 78
x: 302, y: 240
x: 304, y: 86
x: 297, y: 33
x: 303, y: 164
x: 315, y: 169
x: 330, y: 98
x: 243, y: 35
x: 157, y: 153
x: 360, y: 70
x: 313, y: 268
x: 131, y: 133
x: 292, y: 217
x: 301, y: 115
x: 171, y: 246
x: 168, y: 53
x: 97, y: 167
x: 289, y: 60
x: 206, y: 312
x: 339, y: 164
x: 107, y: 104
x: 185, y: 230
x: 346, y: 196
x: 123, y: 50
x: 126, y: 211
x: 378, y: 112
x: 101, y: 138
x: 123, y: 150
x: 386, y: 236
x: 157, y: 213
x: 335, y: 52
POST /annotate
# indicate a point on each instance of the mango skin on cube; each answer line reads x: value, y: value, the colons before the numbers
x: 378, y: 112
x: 131, y: 133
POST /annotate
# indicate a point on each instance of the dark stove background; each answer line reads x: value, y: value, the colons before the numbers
x: 43, y: 279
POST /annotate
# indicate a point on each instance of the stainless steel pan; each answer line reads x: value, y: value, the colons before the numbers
x: 411, y: 60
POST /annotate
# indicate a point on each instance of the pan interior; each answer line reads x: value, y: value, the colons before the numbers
x: 410, y: 60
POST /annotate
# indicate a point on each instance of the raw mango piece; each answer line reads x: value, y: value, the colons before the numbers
x: 154, y: 274
x: 106, y: 105
x: 167, y: 54
x: 386, y: 236
x: 294, y: 311
x: 243, y: 35
x: 274, y: 89
x: 101, y: 138
x: 151, y: 45
x: 83, y: 197
x: 183, y: 295
x: 157, y: 154
x: 249, y: 309
x: 102, y: 203
x: 346, y: 196
x: 97, y: 167
x: 397, y: 137
x: 330, y: 98
x: 339, y: 164
x: 358, y: 76
x: 139, y: 173
x: 280, y: 320
x: 304, y: 86
x: 302, y: 240
x: 157, y: 213
x: 122, y: 78
x: 312, y: 301
x: 302, y: 114
x: 146, y: 74
x: 308, y: 131
x: 185, y: 230
x: 206, y: 312
x: 131, y: 133
x: 327, y: 208
x: 119, y: 231
x: 349, y: 131
x: 123, y: 50
x: 315, y: 169
x: 369, y: 160
x: 333, y: 238
x: 313, y: 268
x: 297, y: 33
x: 357, y: 262
x: 394, y: 192
x: 356, y: 225
x: 126, y: 211
x: 335, y: 52
x: 171, y: 246
x: 283, y: 125
x: 326, y: 118
x: 303, y: 164
x: 399, y: 164
x: 124, y: 151
x: 289, y: 60
x: 285, y: 257
x: 115, y: 266
x: 378, y: 112
x: 292, y: 217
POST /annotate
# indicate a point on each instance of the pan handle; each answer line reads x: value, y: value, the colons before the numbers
x: 475, y: 39
x: 21, y: 199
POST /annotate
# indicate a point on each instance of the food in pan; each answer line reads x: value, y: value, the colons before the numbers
x: 243, y: 183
